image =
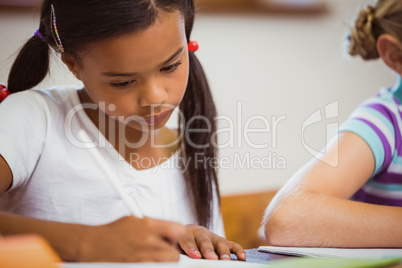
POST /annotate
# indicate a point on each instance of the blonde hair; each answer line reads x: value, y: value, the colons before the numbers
x: 372, y: 21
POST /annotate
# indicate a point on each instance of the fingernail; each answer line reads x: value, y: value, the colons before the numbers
x: 225, y: 257
x: 211, y: 253
x: 195, y: 254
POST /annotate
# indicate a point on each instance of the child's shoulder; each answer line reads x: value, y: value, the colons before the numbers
x: 50, y: 102
x: 386, y: 99
x: 56, y: 97
x: 389, y: 95
x: 59, y: 94
x: 56, y: 94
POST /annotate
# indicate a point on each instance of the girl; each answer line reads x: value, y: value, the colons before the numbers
x: 133, y: 59
x: 358, y: 203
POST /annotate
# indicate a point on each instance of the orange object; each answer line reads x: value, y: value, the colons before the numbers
x: 27, y: 251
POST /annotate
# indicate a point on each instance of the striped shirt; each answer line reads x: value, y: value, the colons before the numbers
x: 378, y: 121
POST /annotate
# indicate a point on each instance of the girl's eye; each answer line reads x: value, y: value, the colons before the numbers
x: 122, y: 84
x: 171, y: 68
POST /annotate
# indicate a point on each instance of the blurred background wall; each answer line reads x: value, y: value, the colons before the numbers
x: 274, y: 65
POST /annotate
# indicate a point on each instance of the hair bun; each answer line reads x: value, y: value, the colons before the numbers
x: 361, y: 38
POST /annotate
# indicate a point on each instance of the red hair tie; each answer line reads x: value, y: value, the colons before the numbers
x: 192, y: 46
x: 3, y: 92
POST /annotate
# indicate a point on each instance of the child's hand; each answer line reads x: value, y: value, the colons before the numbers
x: 131, y: 239
x: 200, y: 242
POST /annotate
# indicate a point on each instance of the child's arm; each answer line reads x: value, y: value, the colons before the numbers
x: 6, y: 177
x: 126, y: 240
x: 313, y: 210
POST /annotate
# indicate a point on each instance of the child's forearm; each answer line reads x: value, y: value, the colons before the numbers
x: 64, y: 238
x: 308, y: 219
x: 128, y: 239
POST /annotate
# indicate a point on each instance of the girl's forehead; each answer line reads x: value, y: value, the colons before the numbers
x: 146, y: 47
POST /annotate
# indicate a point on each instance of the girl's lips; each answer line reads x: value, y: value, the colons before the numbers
x: 158, y: 118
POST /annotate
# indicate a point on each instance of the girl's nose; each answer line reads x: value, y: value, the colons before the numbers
x: 153, y: 93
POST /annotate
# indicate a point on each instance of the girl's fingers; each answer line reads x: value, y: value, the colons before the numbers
x: 206, y: 247
x: 210, y: 245
x: 189, y: 246
x: 223, y: 249
x: 238, y: 250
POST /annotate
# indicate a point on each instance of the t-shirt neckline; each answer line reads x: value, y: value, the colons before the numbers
x: 94, y: 132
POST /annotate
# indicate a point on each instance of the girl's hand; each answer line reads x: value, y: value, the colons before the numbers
x: 200, y: 242
x: 131, y: 239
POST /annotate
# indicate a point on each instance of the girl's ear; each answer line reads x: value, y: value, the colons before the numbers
x: 71, y: 64
x: 390, y: 51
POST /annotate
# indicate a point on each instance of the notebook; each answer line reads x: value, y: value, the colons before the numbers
x: 360, y: 253
x: 332, y: 263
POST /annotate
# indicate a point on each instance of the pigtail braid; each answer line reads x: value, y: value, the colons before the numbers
x: 32, y: 63
x: 30, y: 67
x: 200, y: 175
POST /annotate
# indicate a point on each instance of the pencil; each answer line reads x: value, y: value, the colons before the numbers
x: 130, y: 202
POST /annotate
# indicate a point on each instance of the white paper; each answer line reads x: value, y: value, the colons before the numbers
x: 360, y: 253
x: 184, y: 262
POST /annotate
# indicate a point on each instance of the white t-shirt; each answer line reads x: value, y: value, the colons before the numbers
x: 55, y: 178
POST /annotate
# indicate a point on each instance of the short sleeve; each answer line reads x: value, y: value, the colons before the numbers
x: 23, y: 127
x: 376, y: 122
